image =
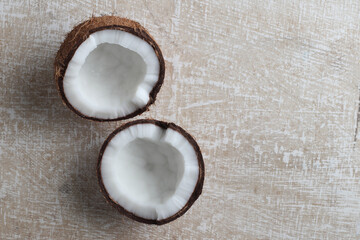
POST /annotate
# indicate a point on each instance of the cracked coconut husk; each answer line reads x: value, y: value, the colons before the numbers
x: 80, y: 33
x: 197, y: 189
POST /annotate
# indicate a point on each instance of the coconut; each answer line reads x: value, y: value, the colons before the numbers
x: 151, y: 171
x: 109, y: 68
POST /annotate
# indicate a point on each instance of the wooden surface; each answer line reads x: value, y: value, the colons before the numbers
x: 270, y: 90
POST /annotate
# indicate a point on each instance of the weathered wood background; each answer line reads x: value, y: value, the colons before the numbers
x: 270, y: 89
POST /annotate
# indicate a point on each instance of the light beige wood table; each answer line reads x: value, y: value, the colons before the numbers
x: 270, y: 90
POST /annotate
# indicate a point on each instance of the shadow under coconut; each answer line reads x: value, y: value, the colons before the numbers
x: 81, y: 195
x: 42, y: 111
x: 39, y: 102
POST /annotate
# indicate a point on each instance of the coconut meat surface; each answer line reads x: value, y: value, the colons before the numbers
x: 111, y: 74
x: 150, y: 171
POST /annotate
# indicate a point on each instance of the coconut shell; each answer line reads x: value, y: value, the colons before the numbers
x: 81, y: 32
x: 198, y: 187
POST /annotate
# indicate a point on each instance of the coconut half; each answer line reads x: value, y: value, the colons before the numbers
x: 151, y: 171
x: 109, y: 68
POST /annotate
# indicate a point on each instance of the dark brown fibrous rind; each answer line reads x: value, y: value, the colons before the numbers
x: 197, y: 190
x: 80, y: 33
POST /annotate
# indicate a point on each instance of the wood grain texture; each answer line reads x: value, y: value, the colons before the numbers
x: 269, y: 89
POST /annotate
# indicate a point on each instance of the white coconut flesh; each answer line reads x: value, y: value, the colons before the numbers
x: 150, y: 171
x: 111, y: 74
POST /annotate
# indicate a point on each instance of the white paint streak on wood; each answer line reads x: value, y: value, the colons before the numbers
x: 270, y: 90
x: 202, y: 104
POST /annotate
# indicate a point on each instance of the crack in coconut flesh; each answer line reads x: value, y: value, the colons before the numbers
x: 109, y: 68
x: 152, y: 172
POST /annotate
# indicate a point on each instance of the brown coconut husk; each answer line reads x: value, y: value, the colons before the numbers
x: 80, y: 33
x: 198, y: 187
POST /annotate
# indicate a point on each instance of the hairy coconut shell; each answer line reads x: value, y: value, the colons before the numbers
x: 81, y: 32
x: 198, y: 187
